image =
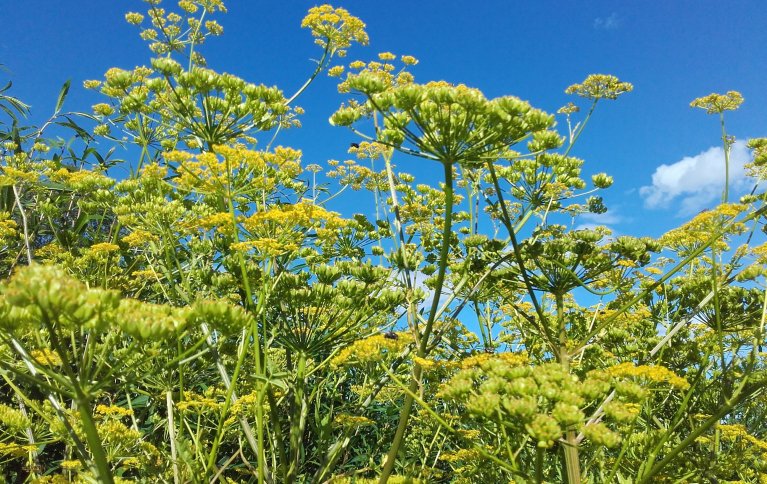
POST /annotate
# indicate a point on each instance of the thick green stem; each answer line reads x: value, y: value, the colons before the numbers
x: 92, y: 436
x: 570, y: 445
x: 172, y: 434
x: 407, y: 405
x: 99, y: 457
x: 298, y: 421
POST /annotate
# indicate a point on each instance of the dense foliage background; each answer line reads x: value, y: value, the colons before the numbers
x: 207, y: 317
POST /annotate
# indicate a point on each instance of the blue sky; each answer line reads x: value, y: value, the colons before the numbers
x: 671, y: 51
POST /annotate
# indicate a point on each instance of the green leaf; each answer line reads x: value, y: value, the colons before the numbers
x: 62, y: 95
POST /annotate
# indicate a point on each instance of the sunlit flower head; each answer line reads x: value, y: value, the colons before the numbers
x: 718, y: 103
x: 335, y: 28
x: 600, y: 86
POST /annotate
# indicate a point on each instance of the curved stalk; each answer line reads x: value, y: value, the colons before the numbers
x: 506, y: 220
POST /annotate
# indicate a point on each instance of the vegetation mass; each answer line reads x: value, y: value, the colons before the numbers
x: 208, y: 318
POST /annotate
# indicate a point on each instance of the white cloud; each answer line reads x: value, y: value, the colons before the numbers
x: 588, y: 221
x: 608, y: 218
x: 607, y: 23
x: 695, y: 182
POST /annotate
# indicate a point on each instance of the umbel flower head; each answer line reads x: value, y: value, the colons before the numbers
x: 199, y: 106
x: 718, y: 103
x: 335, y: 28
x: 600, y: 86
x: 443, y: 122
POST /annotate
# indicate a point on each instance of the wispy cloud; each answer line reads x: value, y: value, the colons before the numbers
x: 695, y: 182
x: 610, y: 22
x: 593, y: 220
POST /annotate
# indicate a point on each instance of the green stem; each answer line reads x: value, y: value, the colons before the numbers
x: 690, y: 439
x: 506, y: 220
x: 24, y: 224
x: 648, y: 290
x: 299, y: 419
x: 407, y: 405
x: 539, y: 451
x: 509, y: 466
x: 570, y: 445
x: 172, y: 434
x: 103, y: 473
x: 580, y: 129
x: 726, y: 143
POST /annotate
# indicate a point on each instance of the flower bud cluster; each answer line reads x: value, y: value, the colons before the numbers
x: 541, y: 401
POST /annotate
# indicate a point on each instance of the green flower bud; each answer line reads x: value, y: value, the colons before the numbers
x: 223, y: 317
x: 602, y: 180
x: 345, y: 117
x: 622, y: 412
x: 523, y: 408
x: 599, y: 434
x: 567, y: 414
x: 484, y: 405
x: 545, y: 430
x: 545, y: 140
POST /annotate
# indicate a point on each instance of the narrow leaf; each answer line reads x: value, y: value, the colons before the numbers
x: 62, y: 95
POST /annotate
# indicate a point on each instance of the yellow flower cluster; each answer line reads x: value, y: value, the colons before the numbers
x: 10, y: 449
x: 760, y: 251
x: 600, y: 86
x: 286, y: 217
x: 214, y: 28
x: 372, y: 151
x: 113, y: 411
x: 8, y: 226
x: 626, y: 317
x: 198, y: 403
x: 657, y: 374
x: 82, y: 180
x: 336, y: 71
x: 382, y: 72
x: 702, y: 226
x: 370, y: 350
x: 230, y: 169
x: 115, y: 432
x: 46, y: 357
x: 13, y: 419
x: 245, y: 404
x: 187, y: 6
x: 49, y: 252
x: 104, y: 248
x: 479, y: 360
x: 394, y: 479
x: 461, y: 455
x: 335, y: 28
x: 718, y: 103
x: 154, y: 170
x: 71, y: 465
x: 12, y: 175
x: 148, y: 274
x: 738, y: 431
x: 272, y: 247
x: 138, y: 238
x: 221, y: 221
x: 346, y: 420
x: 103, y: 109
x: 568, y: 109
